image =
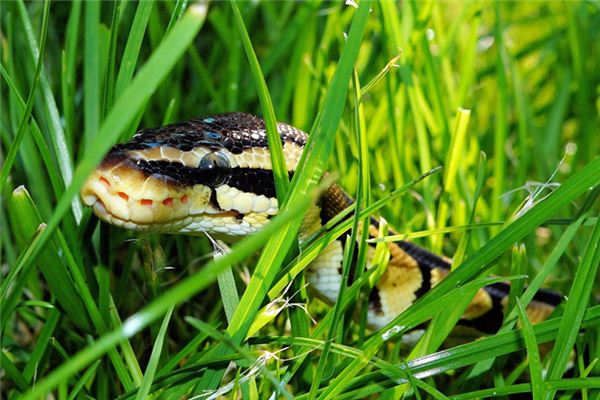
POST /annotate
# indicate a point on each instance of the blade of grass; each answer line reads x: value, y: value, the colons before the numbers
x: 92, y: 74
x: 493, y: 346
x: 461, y: 248
x: 526, y: 388
x: 577, y: 301
x: 108, y: 88
x: 40, y: 142
x: 280, y: 170
x: 534, y: 286
x: 68, y: 78
x: 41, y: 347
x: 178, y: 11
x: 58, y: 139
x: 85, y: 380
x: 362, y: 198
x: 458, y: 356
x: 14, y: 148
x: 159, y: 342
x: 12, y: 371
x: 133, y: 46
x: 533, y: 354
x: 58, y: 272
x: 500, y: 127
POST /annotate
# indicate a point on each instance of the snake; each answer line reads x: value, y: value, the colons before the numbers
x: 214, y: 174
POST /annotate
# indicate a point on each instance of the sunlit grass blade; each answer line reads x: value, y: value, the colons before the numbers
x: 533, y: 287
x: 493, y: 346
x: 318, y: 149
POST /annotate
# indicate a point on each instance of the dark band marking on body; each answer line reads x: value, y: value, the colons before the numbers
x: 502, y: 290
x: 375, y: 302
x: 490, y: 321
x: 426, y: 280
x: 422, y: 256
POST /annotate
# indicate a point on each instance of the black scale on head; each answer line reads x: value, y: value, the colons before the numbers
x: 235, y: 132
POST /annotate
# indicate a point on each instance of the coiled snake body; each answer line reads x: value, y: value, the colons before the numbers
x: 214, y: 175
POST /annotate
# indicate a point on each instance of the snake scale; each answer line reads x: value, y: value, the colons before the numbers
x: 214, y: 175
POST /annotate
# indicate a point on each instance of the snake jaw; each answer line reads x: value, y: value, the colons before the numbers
x: 121, y: 195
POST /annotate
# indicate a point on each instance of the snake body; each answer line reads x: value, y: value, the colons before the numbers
x: 214, y: 175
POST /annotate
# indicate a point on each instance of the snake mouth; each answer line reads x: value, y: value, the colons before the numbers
x: 135, y: 194
x: 127, y: 198
x: 174, y: 225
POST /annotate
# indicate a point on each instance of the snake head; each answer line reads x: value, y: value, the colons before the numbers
x: 212, y: 175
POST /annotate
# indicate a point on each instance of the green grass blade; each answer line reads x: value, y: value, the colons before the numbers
x: 280, y: 170
x: 12, y: 152
x: 12, y: 371
x: 68, y: 79
x: 577, y: 301
x: 42, y: 346
x: 533, y: 355
x: 134, y: 44
x: 533, y: 287
x: 159, y: 342
x: 255, y: 362
x: 92, y: 73
x: 58, y: 139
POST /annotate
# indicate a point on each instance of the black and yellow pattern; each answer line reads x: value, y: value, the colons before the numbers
x: 214, y: 175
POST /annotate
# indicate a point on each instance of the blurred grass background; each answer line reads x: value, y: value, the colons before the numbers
x: 505, y: 96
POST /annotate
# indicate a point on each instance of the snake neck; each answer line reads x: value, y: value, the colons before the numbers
x: 331, y: 202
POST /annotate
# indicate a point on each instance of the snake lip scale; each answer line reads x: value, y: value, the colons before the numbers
x: 214, y: 175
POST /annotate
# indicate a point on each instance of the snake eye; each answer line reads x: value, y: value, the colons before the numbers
x: 215, y: 168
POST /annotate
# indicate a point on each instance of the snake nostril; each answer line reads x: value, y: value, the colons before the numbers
x: 104, y: 181
x: 184, y: 199
x: 123, y: 195
x: 168, y: 202
x: 146, y: 202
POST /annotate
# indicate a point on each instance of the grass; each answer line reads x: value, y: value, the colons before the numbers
x: 505, y: 96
